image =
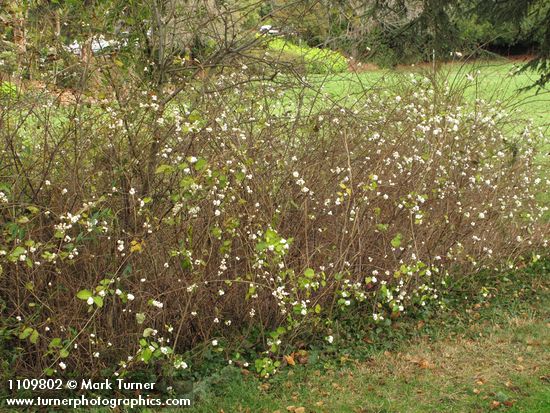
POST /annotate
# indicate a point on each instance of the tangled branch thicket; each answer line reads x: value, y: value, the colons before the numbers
x: 133, y: 232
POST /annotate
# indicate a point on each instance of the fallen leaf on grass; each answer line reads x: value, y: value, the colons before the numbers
x: 300, y: 356
x: 480, y: 381
x: 294, y: 409
x: 495, y: 405
x: 425, y: 364
x: 421, y: 362
x: 290, y: 360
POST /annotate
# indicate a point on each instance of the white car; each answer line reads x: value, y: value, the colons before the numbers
x: 268, y: 29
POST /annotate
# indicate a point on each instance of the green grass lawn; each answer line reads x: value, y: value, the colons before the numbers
x: 493, y: 80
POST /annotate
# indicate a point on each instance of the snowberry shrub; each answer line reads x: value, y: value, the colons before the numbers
x: 134, y: 231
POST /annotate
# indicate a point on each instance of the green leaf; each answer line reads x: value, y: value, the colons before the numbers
x: 63, y: 353
x: 33, y: 210
x: 186, y: 182
x: 164, y: 169
x: 55, y: 343
x: 186, y: 263
x: 23, y: 220
x: 382, y: 227
x: 146, y: 354
x: 216, y: 232
x: 396, y: 241
x: 140, y: 318
x: 200, y: 164
x: 25, y: 333
x: 309, y: 273
x: 34, y: 337
x: 84, y: 294
x: 17, y: 252
x: 194, y: 116
x: 239, y: 176
x: 98, y: 301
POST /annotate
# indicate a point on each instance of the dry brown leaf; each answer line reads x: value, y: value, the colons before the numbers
x: 420, y: 362
x: 301, y: 356
x: 300, y: 410
x: 495, y: 404
x: 290, y: 360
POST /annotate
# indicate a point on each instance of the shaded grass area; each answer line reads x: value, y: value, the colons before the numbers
x: 477, y: 356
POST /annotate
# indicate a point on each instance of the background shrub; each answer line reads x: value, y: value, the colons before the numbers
x: 312, y: 59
